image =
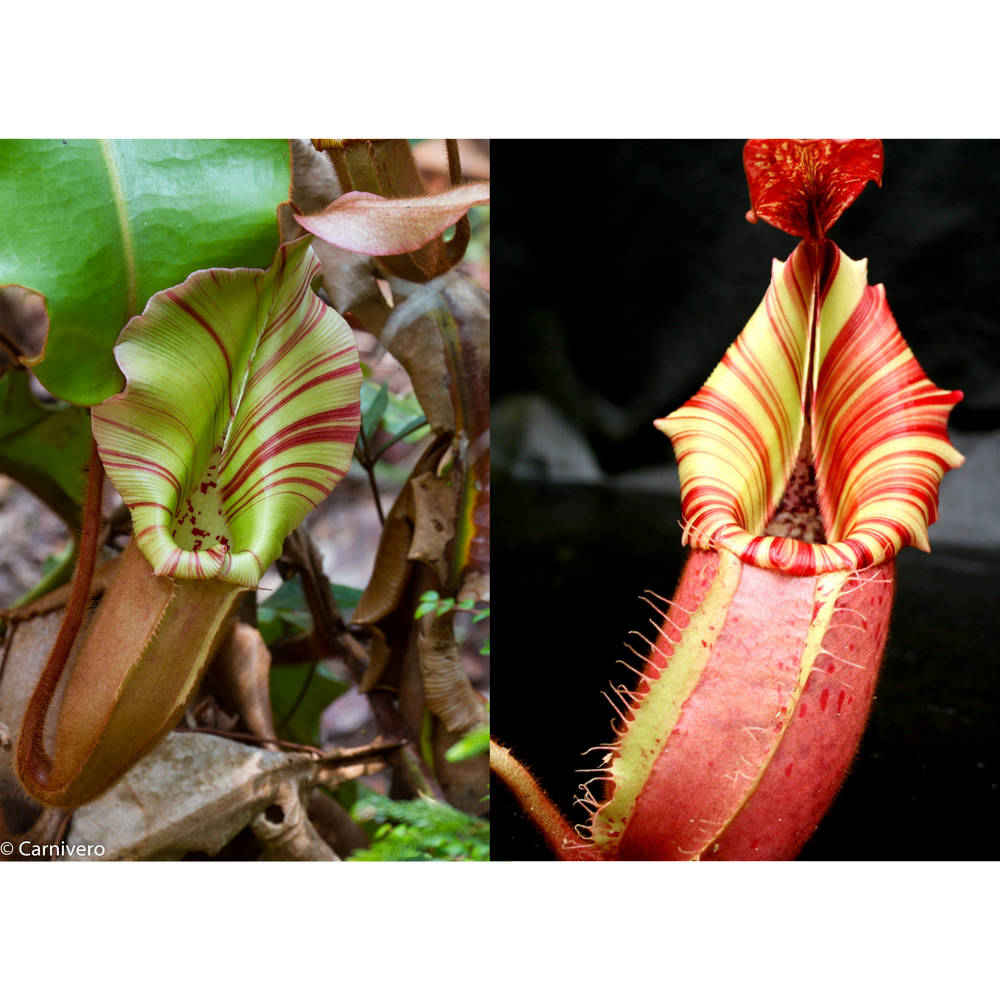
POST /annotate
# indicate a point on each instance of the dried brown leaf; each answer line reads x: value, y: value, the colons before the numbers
x: 378, y: 660
x: 241, y: 669
x: 393, y: 568
x: 348, y: 278
x: 435, y: 500
x: 447, y: 690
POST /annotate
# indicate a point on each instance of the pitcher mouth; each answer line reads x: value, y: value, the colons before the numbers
x: 798, y: 515
x: 821, y: 371
x: 219, y: 458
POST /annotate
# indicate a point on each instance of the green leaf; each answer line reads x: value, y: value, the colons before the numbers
x: 240, y: 415
x: 286, y: 686
x: 470, y: 745
x: 42, y: 447
x: 403, y: 415
x: 99, y: 226
x: 431, y: 600
x: 421, y: 830
x: 372, y: 412
x: 56, y: 571
x: 286, y: 611
x: 290, y: 597
x: 399, y: 415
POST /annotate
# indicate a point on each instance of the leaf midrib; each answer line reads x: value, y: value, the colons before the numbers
x: 121, y: 208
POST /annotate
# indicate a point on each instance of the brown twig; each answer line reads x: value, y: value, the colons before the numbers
x: 248, y: 738
x: 331, y: 638
x: 335, y: 757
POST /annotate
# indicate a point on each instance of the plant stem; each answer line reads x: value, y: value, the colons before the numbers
x: 408, y: 429
x: 369, y: 466
x: 564, y: 841
x: 31, y: 753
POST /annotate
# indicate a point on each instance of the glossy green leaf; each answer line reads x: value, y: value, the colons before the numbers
x: 43, y: 447
x: 99, y: 226
x: 286, y: 611
x: 286, y: 686
x: 240, y: 415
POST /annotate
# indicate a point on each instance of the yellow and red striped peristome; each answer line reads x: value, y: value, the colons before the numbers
x: 808, y: 459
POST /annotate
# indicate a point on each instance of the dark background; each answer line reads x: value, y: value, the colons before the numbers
x: 625, y: 270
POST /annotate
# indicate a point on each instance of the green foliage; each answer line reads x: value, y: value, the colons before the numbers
x: 313, y: 687
x: 286, y: 611
x: 472, y: 744
x: 98, y: 226
x: 421, y: 830
x: 479, y: 243
x: 431, y: 600
x: 56, y: 570
x: 43, y: 447
x: 400, y: 416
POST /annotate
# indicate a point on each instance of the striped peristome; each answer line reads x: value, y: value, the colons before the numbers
x: 239, y: 415
x: 753, y: 697
x: 808, y: 459
x: 878, y: 425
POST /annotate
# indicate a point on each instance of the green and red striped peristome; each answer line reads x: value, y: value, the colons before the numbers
x: 239, y: 415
